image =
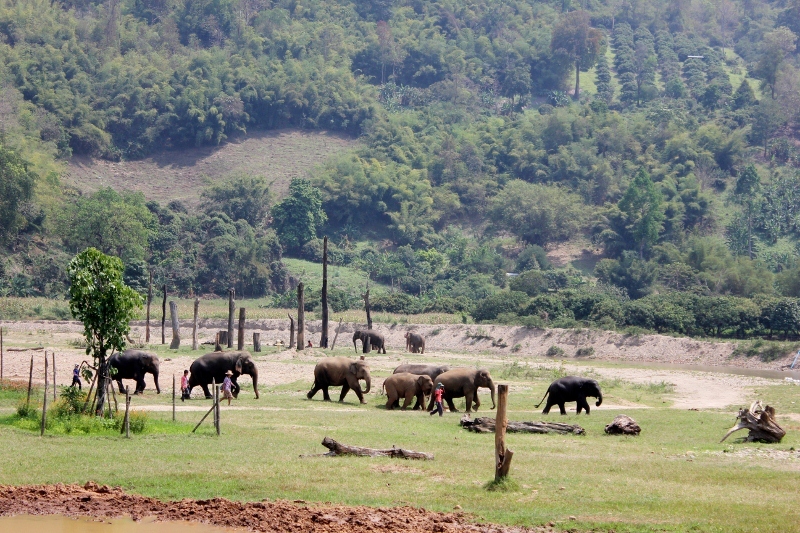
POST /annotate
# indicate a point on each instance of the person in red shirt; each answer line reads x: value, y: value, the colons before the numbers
x: 185, y: 385
x: 437, y: 398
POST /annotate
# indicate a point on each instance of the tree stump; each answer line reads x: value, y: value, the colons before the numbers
x: 301, y: 319
x: 242, y: 318
x: 222, y: 338
x: 291, y: 331
x: 256, y: 342
x: 623, y: 425
x: 487, y: 425
x: 337, y: 448
x: 502, y: 455
x: 176, y: 332
x: 760, y: 421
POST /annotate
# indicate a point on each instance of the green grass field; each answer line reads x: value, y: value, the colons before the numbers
x: 674, y: 477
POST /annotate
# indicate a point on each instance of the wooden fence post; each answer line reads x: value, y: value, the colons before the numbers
x: 1, y: 354
x: 194, y: 323
x: 127, y: 425
x: 164, y: 315
x: 30, y: 384
x: 301, y: 319
x: 217, y: 347
x: 223, y: 338
x: 240, y: 339
x: 216, y: 399
x: 231, y: 309
x: 54, y: 373
x: 502, y: 455
x: 149, y: 300
x: 291, y: 330
x: 323, y: 341
x: 256, y: 342
x: 173, y: 397
x: 44, y: 405
x: 336, y: 336
x: 176, y: 330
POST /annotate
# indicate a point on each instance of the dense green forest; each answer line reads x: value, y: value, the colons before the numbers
x: 660, y: 133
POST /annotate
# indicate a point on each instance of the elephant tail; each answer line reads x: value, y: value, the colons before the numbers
x: 543, y: 397
x: 383, y: 387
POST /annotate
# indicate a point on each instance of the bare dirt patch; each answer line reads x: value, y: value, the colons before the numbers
x: 93, y: 500
x: 280, y: 155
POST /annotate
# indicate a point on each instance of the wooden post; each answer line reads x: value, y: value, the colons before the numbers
x: 323, y: 341
x: 215, y: 401
x: 231, y: 309
x: 223, y: 338
x: 217, y: 347
x: 164, y: 315
x: 149, y: 300
x: 30, y: 384
x: 194, y: 323
x: 256, y: 342
x: 216, y: 396
x: 366, y: 344
x: 173, y: 397
x: 336, y: 336
x: 213, y: 408
x: 291, y: 331
x: 301, y: 319
x: 176, y: 331
x: 502, y: 455
x: 88, y: 396
x: 240, y: 339
x: 127, y: 425
x: 54, y: 374
x: 1, y: 354
x: 44, y: 404
x: 365, y: 296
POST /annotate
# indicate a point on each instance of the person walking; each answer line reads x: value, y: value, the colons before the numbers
x: 185, y: 385
x: 227, y: 386
x: 437, y: 398
x: 76, y: 377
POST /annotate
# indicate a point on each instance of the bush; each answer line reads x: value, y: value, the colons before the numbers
x: 137, y: 421
x: 70, y: 402
x: 585, y: 351
x: 396, y: 302
x: 548, y: 307
x: 448, y: 304
x: 554, y: 351
x: 531, y: 282
x: 502, y: 302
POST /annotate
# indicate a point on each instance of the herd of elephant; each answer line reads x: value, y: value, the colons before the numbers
x: 407, y: 382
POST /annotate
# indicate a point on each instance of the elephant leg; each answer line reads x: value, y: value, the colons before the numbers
x: 547, y: 407
x: 140, y: 386
x: 407, y: 400
x: 358, y: 392
x: 235, y: 388
x: 325, y: 395
x: 391, y: 401
x: 121, y: 388
x: 451, y: 406
x: 420, y: 402
x: 561, y: 408
x: 431, y: 404
x: 476, y: 400
x: 204, y: 386
x: 468, y: 399
x: 583, y: 403
x: 314, y: 389
x: 345, y: 390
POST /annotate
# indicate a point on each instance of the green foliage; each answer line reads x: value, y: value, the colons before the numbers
x: 505, y: 302
x: 299, y: 216
x: 643, y: 207
x: 16, y: 190
x: 243, y: 197
x: 575, y: 42
x: 555, y: 351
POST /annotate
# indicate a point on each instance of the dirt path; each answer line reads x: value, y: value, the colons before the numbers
x: 280, y: 516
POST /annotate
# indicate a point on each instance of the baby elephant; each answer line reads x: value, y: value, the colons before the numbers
x: 571, y: 389
x: 407, y: 386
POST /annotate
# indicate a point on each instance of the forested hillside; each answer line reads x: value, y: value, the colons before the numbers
x: 662, y: 134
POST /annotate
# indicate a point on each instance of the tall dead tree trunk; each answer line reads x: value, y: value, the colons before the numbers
x: 231, y: 309
x: 291, y: 331
x: 149, y: 301
x: 164, y: 315
x: 194, y: 323
x: 240, y: 339
x: 365, y: 296
x: 301, y: 319
x: 323, y: 341
x: 176, y: 330
x: 502, y: 455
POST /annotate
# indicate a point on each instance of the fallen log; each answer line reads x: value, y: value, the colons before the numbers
x: 760, y: 421
x: 37, y: 349
x: 337, y: 448
x: 484, y: 424
x: 623, y: 425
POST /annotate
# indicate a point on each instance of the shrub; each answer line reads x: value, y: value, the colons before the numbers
x: 586, y: 351
x: 396, y: 302
x: 137, y: 420
x: 448, y: 304
x: 502, y: 302
x: 554, y: 351
x: 548, y: 307
x: 531, y: 282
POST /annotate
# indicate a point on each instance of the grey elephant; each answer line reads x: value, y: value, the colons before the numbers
x: 340, y: 372
x: 415, y: 343
x: 571, y: 389
x: 134, y: 364
x: 432, y: 371
x: 375, y: 339
x: 214, y: 365
x: 464, y: 383
x: 407, y: 386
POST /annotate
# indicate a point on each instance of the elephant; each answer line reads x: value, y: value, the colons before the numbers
x: 571, y: 389
x: 214, y: 365
x: 407, y: 386
x: 134, y: 364
x: 415, y: 343
x: 340, y: 372
x: 431, y: 371
x: 464, y: 382
x: 375, y: 339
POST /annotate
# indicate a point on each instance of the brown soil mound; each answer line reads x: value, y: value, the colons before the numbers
x: 281, y: 516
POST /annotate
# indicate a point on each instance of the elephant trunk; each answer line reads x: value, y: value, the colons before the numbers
x: 491, y: 388
x: 599, y: 398
x: 155, y: 379
x: 369, y: 384
x: 254, y: 375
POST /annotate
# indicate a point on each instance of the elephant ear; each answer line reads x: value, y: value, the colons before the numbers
x: 238, y: 366
x: 353, y: 368
x: 421, y: 380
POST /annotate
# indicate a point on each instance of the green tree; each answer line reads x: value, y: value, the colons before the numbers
x: 768, y: 118
x: 747, y: 194
x: 100, y: 299
x: 775, y: 46
x: 243, y: 197
x: 744, y: 95
x: 577, y: 42
x: 644, y: 206
x: 299, y: 216
x: 16, y: 189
